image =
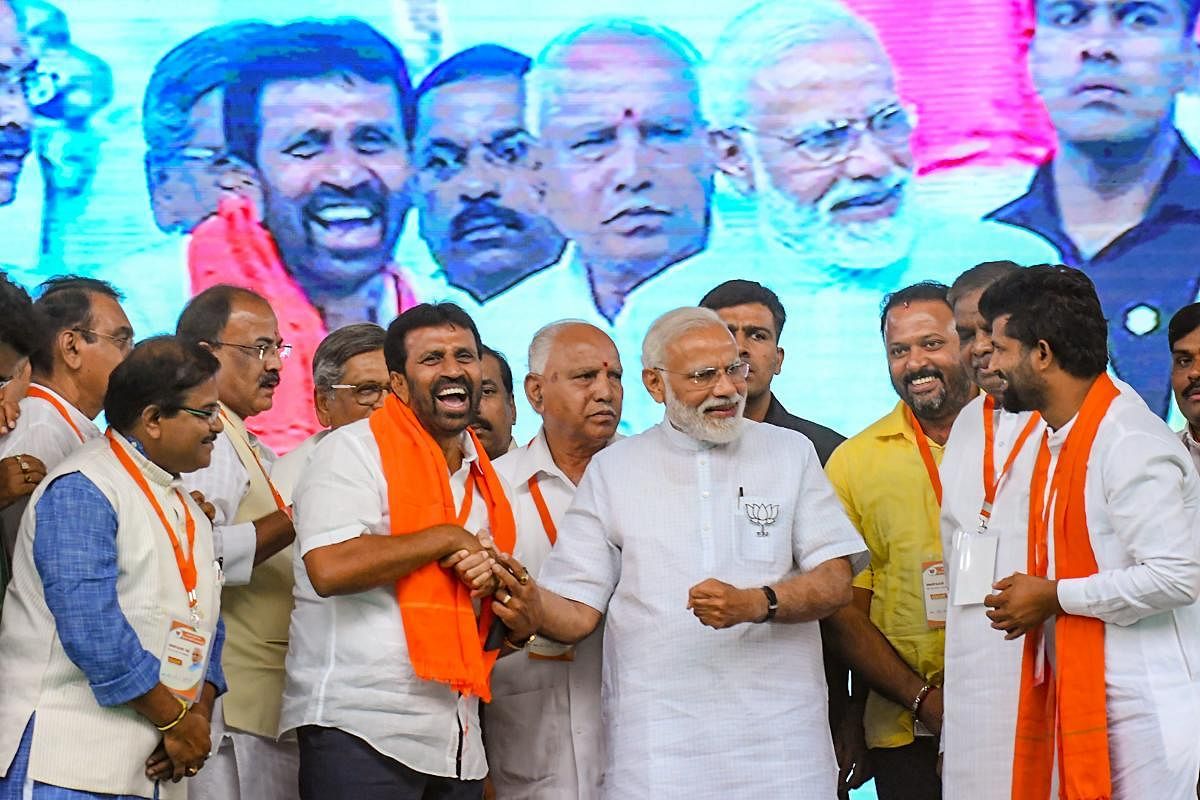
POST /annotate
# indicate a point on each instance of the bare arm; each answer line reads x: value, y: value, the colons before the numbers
x: 369, y: 561
x: 272, y: 533
x: 802, y: 597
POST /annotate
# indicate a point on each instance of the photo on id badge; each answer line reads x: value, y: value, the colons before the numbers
x: 760, y: 524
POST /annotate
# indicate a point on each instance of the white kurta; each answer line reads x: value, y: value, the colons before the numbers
x: 983, y: 671
x: 691, y: 712
x: 1142, y: 500
x: 542, y: 730
x: 348, y: 665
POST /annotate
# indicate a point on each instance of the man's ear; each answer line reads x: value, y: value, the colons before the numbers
x: 732, y: 159
x: 779, y: 363
x: 399, y: 386
x: 1041, y: 355
x: 68, y: 344
x: 321, y: 402
x: 533, y: 392
x: 652, y: 379
x: 151, y: 422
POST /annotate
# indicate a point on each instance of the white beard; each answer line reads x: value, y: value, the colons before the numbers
x: 692, y: 420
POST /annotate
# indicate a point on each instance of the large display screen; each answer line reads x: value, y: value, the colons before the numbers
x: 605, y: 161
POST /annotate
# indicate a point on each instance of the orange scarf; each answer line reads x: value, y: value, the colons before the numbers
x: 1066, y: 708
x: 445, y: 640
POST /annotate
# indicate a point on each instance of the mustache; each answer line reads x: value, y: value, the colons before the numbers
x: 368, y: 194
x: 483, y: 213
x: 848, y: 190
x: 1191, y: 387
x: 15, y: 140
x: 927, y: 372
x: 269, y: 381
x: 442, y: 383
x: 481, y: 424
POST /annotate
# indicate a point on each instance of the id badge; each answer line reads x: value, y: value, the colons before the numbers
x: 974, y: 566
x: 933, y: 581
x: 184, y: 662
x: 543, y: 649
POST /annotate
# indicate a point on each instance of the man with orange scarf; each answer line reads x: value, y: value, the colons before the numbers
x: 386, y: 704
x: 1108, y: 698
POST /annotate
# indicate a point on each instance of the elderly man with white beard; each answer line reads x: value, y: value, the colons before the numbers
x: 812, y: 130
x: 711, y: 545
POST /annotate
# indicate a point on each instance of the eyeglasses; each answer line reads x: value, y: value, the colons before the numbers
x: 263, y: 350
x: 209, y: 414
x: 708, y: 377
x: 444, y: 160
x: 834, y: 142
x: 365, y: 394
x: 122, y: 343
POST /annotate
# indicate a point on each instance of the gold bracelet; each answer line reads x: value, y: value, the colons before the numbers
x: 183, y: 709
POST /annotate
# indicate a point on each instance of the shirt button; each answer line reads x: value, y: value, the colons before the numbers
x: 704, y: 494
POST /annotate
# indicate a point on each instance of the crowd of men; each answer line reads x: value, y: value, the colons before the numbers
x: 412, y: 604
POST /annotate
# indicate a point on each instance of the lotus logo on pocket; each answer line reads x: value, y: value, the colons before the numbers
x: 762, y: 515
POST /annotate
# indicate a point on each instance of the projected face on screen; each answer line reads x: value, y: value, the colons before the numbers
x: 827, y: 142
x: 333, y: 161
x: 16, y: 118
x: 1110, y: 71
x: 628, y: 166
x: 480, y: 214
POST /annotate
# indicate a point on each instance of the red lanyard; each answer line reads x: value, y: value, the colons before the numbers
x: 279, y: 504
x: 991, y: 481
x: 543, y: 511
x: 468, y: 500
x: 187, y: 565
x: 42, y: 394
x: 926, y: 455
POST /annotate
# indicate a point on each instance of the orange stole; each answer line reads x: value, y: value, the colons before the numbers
x: 445, y: 639
x: 1067, y: 707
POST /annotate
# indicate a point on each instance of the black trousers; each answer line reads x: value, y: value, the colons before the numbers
x: 335, y: 765
x: 909, y: 772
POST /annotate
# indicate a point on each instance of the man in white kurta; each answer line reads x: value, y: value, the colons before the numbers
x: 542, y: 729
x: 1142, y: 505
x: 665, y: 522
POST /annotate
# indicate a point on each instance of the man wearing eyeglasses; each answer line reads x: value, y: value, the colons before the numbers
x: 480, y: 213
x: 893, y: 635
x: 811, y: 129
x: 253, y: 534
x: 84, y: 335
x: 706, y: 521
x: 351, y: 380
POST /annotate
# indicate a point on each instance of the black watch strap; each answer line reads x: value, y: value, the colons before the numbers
x: 772, y: 604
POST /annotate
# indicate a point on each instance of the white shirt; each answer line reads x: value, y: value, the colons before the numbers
x: 42, y: 432
x: 224, y: 483
x: 1142, y: 500
x: 1193, y: 447
x: 543, y: 732
x: 290, y: 467
x: 690, y: 711
x: 983, y: 670
x: 348, y: 665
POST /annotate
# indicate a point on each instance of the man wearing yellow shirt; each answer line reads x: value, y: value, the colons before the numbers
x: 887, y: 478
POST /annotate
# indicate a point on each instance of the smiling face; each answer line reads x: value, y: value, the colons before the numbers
x: 180, y: 442
x: 338, y: 407
x: 708, y: 411
x: 579, y: 392
x: 1024, y: 388
x: 333, y: 161
x: 1185, y: 376
x: 1109, y: 70
x: 628, y: 164
x: 16, y: 117
x: 975, y: 343
x: 480, y: 212
x: 441, y: 378
x: 851, y: 211
x: 923, y: 359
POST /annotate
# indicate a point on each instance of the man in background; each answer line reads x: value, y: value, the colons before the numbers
x: 497, y: 413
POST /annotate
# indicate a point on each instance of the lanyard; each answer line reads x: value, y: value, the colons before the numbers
x: 42, y: 394
x: 992, y: 481
x: 187, y: 566
x: 926, y: 455
x: 1042, y: 506
x: 543, y: 511
x: 468, y: 500
x: 279, y: 504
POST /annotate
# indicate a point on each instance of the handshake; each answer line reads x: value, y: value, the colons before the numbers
x: 489, y: 573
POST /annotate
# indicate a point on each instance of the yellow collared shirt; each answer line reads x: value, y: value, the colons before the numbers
x: 883, y: 483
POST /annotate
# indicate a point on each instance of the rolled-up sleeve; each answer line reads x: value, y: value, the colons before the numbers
x: 75, y: 552
x: 585, y: 564
x: 821, y: 530
x: 1144, y: 490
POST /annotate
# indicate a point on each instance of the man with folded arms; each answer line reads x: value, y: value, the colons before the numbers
x: 385, y: 699
x: 542, y: 729
x: 110, y: 648
x: 1108, y: 703
x: 985, y: 518
x: 732, y: 521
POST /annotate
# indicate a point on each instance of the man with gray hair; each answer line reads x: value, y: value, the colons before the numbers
x: 350, y: 380
x: 574, y: 384
x: 706, y: 521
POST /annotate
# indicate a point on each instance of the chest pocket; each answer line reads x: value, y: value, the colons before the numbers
x: 762, y: 528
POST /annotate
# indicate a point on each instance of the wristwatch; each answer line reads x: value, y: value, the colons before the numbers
x: 772, y: 604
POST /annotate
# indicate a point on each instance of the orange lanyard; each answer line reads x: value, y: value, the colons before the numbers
x: 926, y: 455
x: 42, y: 394
x: 279, y: 504
x: 187, y: 565
x: 543, y: 511
x: 991, y: 481
x: 1041, y: 506
x: 468, y: 500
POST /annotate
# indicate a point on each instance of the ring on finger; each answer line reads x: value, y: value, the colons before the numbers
x: 504, y: 600
x: 23, y: 464
x: 524, y: 578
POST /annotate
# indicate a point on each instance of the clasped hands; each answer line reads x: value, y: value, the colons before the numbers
x: 488, y: 572
x: 183, y: 749
x: 1021, y: 603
